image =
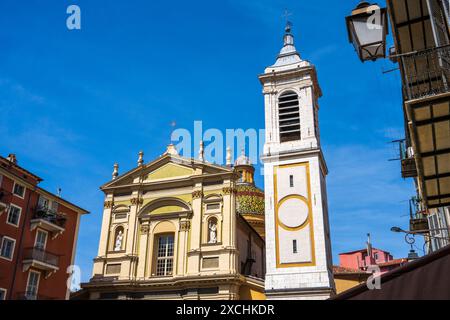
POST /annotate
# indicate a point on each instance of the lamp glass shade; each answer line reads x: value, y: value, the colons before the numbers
x: 367, y: 31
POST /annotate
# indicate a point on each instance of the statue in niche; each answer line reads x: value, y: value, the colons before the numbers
x: 212, y: 231
x: 118, y: 243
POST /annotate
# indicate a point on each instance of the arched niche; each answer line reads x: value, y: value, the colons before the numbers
x: 118, y: 229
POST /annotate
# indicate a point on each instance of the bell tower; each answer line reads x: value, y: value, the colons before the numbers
x: 298, y: 248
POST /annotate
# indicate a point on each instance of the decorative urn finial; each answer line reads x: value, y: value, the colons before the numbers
x: 115, y: 173
x: 141, y: 158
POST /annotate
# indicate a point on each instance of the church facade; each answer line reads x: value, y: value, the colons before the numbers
x: 176, y: 228
x: 183, y: 228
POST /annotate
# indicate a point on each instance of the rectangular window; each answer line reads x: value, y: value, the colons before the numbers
x: 7, y: 248
x: 164, y: 259
x: 54, y: 206
x: 213, y: 206
x: 14, y: 215
x: 294, y: 246
x: 2, y: 294
x: 291, y: 181
x: 43, y: 202
x: 41, y: 239
x: 113, y: 268
x: 1, y: 180
x: 32, y: 285
x: 19, y: 190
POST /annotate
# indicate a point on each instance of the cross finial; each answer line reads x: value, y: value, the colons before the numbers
x: 286, y: 16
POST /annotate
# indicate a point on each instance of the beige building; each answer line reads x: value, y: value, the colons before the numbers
x: 180, y: 228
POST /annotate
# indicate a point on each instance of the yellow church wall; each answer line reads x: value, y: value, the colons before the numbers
x: 169, y: 170
x: 184, y: 197
x: 346, y: 282
x: 167, y: 209
x: 248, y: 293
x: 210, y: 192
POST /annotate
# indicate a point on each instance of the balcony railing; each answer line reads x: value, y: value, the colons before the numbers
x: 42, y: 256
x: 50, y: 215
x: 409, y: 169
x: 426, y: 73
x: 418, y: 218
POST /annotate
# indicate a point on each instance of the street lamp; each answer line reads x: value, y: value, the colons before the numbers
x: 367, y: 29
x: 420, y: 232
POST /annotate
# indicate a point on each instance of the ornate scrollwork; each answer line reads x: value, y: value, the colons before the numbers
x: 144, y: 228
x: 185, y: 225
x: 109, y: 204
x: 137, y: 201
x: 198, y: 194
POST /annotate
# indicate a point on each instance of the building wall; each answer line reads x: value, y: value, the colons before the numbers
x: 13, y: 275
x: 7, y: 267
x: 246, y: 236
x: 348, y: 281
x: 359, y: 259
x: 55, y: 285
x: 313, y: 273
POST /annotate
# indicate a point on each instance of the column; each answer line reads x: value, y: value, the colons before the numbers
x: 196, y: 230
x: 143, y: 253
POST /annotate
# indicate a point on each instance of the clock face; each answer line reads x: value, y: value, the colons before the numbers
x: 293, y: 213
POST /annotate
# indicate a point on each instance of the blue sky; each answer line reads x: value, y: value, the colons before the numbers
x: 74, y: 102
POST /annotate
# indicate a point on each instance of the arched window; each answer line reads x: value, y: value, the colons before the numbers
x: 289, y: 116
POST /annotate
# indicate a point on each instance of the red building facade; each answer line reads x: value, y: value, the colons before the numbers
x: 38, y: 234
x: 364, y: 258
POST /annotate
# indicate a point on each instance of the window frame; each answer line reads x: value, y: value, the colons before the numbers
x: 5, y: 292
x: 12, y: 205
x: 37, y: 283
x: 293, y: 119
x: 43, y: 199
x: 164, y: 258
x: 14, y: 190
x: 36, y: 239
x: 291, y: 181
x: 13, y: 248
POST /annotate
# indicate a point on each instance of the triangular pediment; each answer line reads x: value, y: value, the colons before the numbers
x: 167, y: 167
x: 169, y: 171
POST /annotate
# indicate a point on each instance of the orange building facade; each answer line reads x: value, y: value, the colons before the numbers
x: 38, y: 234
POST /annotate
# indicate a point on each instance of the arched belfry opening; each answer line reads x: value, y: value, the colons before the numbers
x: 289, y: 116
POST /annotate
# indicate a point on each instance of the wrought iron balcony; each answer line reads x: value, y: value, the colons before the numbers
x: 409, y: 169
x: 50, y: 215
x: 418, y: 219
x: 40, y: 259
x: 49, y: 220
x: 426, y: 73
